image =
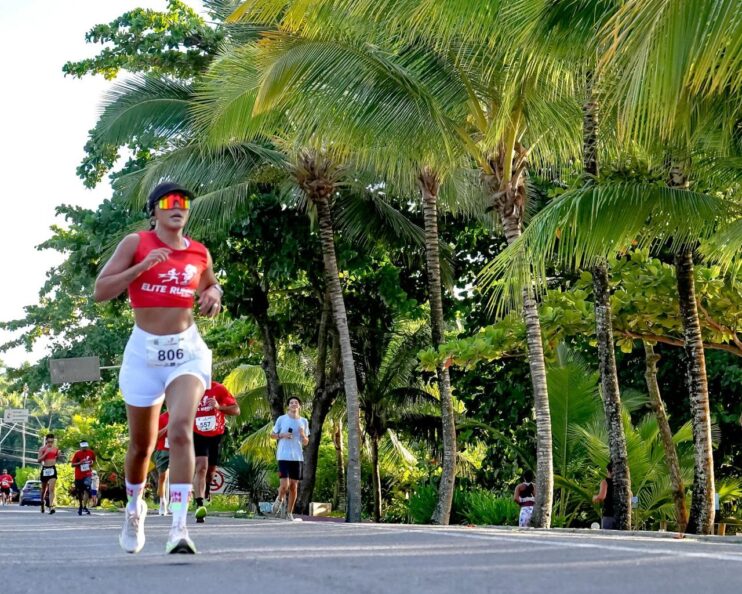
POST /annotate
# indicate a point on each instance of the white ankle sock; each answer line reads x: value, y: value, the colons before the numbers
x: 133, y: 495
x: 179, y: 494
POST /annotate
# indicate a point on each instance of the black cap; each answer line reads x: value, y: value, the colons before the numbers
x: 164, y: 189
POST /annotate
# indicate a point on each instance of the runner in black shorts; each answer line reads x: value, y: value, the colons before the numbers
x: 208, y: 430
x: 292, y: 433
x: 6, y: 481
x: 48, y: 456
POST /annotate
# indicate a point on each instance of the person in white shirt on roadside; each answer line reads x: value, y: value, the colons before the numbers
x: 292, y: 433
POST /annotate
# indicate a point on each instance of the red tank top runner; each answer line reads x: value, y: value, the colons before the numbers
x: 172, y: 283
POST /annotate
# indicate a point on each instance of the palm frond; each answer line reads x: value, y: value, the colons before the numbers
x: 595, y: 223
x: 259, y: 444
x: 725, y: 247
x: 141, y: 106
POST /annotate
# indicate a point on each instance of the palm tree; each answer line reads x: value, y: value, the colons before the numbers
x: 225, y: 176
x: 48, y: 404
x: 570, y: 27
x: 697, y: 102
x: 391, y: 395
x: 480, y: 112
x: 671, y: 454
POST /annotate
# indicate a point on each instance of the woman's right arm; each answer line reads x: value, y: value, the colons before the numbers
x: 118, y: 273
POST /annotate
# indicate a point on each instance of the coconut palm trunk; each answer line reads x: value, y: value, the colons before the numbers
x: 317, y: 177
x: 702, y: 511
x: 507, y: 187
x: 701, y: 520
x: 671, y: 454
x: 429, y: 184
x: 611, y: 399
x: 376, y: 477
x: 337, y: 440
x: 610, y: 391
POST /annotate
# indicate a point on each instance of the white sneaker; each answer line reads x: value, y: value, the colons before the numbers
x: 277, y: 505
x: 131, y: 538
x: 179, y: 542
x: 289, y: 516
x: 163, y: 509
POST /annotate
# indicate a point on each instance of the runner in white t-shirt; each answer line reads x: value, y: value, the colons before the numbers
x: 292, y: 433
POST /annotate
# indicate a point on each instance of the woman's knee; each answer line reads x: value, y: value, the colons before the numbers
x: 140, y: 450
x: 179, y: 436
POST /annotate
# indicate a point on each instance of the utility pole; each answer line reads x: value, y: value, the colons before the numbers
x: 23, y: 425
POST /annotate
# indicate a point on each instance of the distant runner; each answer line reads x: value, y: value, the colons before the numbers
x: 94, y: 487
x: 208, y: 430
x: 48, y: 455
x: 292, y: 433
x: 83, y: 461
x: 6, y: 482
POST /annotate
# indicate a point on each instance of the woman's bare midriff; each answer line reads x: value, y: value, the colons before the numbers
x: 163, y: 320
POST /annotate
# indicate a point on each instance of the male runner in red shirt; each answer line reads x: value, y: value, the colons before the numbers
x: 82, y: 462
x: 6, y: 481
x: 208, y: 430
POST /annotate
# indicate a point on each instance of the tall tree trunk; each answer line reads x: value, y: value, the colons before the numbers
x: 324, y: 394
x: 671, y: 454
x: 316, y: 175
x: 376, y: 477
x: 702, y: 511
x: 337, y: 440
x: 269, y: 362
x: 611, y: 399
x: 429, y: 186
x: 508, y: 191
x: 604, y: 332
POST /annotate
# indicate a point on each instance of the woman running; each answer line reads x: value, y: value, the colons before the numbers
x: 165, y: 357
x: 48, y: 455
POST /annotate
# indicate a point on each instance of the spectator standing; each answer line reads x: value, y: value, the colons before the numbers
x: 605, y: 496
x: 525, y: 497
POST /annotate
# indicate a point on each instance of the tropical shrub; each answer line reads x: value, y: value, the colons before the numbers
x: 484, y: 507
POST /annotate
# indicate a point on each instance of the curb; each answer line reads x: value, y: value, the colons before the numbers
x: 637, y: 533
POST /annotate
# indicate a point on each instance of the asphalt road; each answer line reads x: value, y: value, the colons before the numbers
x: 66, y: 553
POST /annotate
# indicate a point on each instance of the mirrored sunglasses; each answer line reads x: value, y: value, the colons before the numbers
x: 174, y: 201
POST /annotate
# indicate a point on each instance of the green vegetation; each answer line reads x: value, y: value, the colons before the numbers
x: 474, y: 237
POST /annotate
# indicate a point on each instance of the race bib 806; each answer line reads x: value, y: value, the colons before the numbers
x: 167, y: 351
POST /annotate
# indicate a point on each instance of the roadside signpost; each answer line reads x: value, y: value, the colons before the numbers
x: 15, y: 415
x: 73, y: 370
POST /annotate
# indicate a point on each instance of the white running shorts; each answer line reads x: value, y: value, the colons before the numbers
x: 151, y: 362
x: 525, y: 516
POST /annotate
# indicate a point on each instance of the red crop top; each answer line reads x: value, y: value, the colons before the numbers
x: 50, y: 454
x: 172, y: 283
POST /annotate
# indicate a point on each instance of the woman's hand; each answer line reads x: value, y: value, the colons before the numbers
x: 210, y: 302
x: 155, y: 257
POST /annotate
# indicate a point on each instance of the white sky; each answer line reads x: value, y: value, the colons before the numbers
x: 44, y: 120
